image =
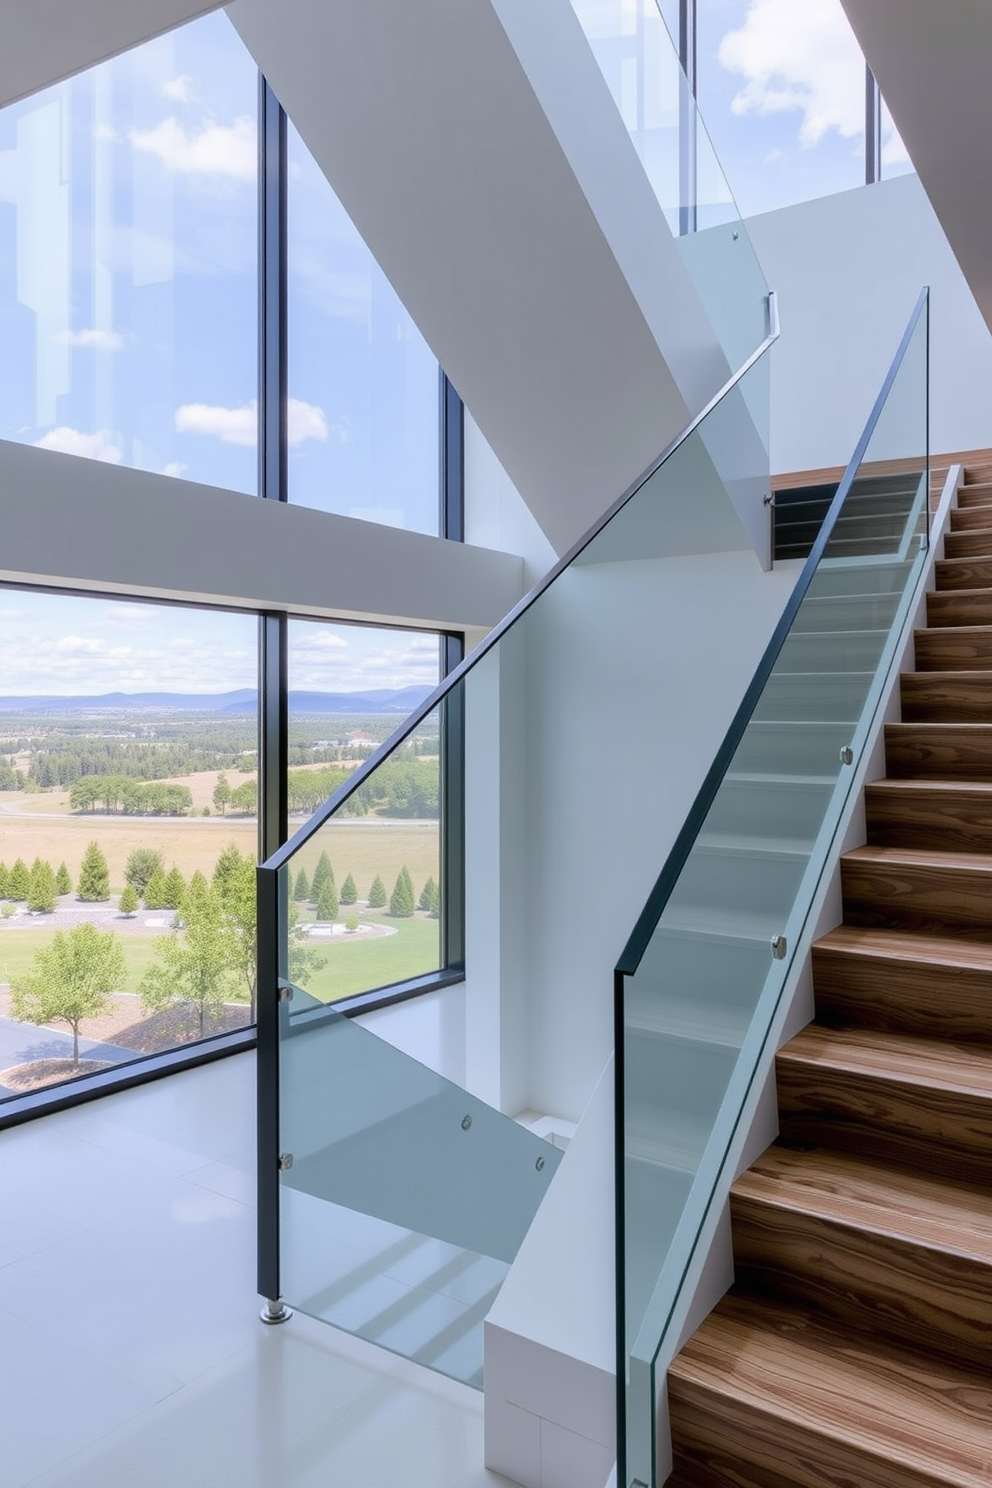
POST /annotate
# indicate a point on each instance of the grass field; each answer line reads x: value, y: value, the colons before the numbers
x: 360, y: 846
x: 351, y: 967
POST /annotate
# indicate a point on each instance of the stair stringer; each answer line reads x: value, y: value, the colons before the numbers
x: 710, y: 1271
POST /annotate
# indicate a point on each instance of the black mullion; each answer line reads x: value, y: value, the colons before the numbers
x: 452, y: 805
x: 452, y: 473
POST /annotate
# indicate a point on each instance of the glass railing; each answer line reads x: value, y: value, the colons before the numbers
x: 640, y: 63
x: 390, y: 1201
x: 703, y: 974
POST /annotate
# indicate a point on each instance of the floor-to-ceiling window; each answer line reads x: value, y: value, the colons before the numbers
x: 151, y: 243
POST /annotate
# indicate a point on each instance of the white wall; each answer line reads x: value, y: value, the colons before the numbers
x: 847, y: 270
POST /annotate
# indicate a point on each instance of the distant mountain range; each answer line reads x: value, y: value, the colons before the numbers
x: 243, y: 700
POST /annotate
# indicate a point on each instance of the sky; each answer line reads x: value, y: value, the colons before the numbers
x: 65, y: 645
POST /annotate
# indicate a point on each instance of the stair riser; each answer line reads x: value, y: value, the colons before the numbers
x: 926, y: 1128
x: 963, y: 573
x: 922, y: 998
x: 921, y: 816
x: 968, y: 545
x: 723, y: 1443
x: 916, y: 896
x: 975, y: 518
x: 946, y: 698
x: 953, y: 651
x: 922, y: 1295
x: 960, y: 607
x: 938, y: 752
x: 977, y: 494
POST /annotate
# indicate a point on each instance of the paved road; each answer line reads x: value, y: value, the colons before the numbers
x: 20, y: 1042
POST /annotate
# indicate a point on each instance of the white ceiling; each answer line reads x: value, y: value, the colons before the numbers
x: 932, y: 64
x: 43, y: 41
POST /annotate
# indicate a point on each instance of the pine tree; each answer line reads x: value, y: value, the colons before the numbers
x: 301, y: 892
x: 129, y: 900
x: 327, y: 904
x: 175, y: 888
x: 4, y: 881
x: 377, y: 894
x: 41, y: 890
x: 430, y: 898
x: 321, y: 874
x: 20, y: 881
x: 349, y: 893
x: 401, y: 899
x: 94, y: 875
x: 155, y: 891
x: 63, y: 882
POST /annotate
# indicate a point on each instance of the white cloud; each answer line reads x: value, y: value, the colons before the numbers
x: 90, y: 336
x: 106, y: 132
x: 240, y: 425
x: 98, y: 446
x: 799, y: 58
x: 175, y: 468
x: 215, y: 150
x: 180, y: 88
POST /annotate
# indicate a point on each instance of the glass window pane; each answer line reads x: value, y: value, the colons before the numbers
x: 128, y: 739
x: 366, y: 889
x: 781, y: 87
x: 363, y: 385
x: 128, y: 260
x: 895, y: 156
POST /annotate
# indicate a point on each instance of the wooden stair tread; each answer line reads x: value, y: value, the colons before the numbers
x: 938, y: 1212
x: 913, y: 947
x: 900, y: 786
x: 776, y: 1364
x: 928, y: 857
x: 932, y: 1064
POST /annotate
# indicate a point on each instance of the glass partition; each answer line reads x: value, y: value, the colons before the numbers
x: 640, y: 62
x: 390, y: 1201
x: 703, y: 973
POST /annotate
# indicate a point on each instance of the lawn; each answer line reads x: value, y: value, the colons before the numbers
x: 18, y: 947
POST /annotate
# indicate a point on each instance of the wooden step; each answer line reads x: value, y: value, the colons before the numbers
x: 926, y: 1104
x: 905, y: 888
x: 963, y: 573
x: 966, y: 648
x: 949, y: 815
x: 931, y: 986
x: 943, y: 751
x: 953, y: 697
x: 968, y: 544
x: 907, y: 1255
x: 976, y: 518
x: 960, y: 607
x: 767, y: 1395
x: 976, y: 493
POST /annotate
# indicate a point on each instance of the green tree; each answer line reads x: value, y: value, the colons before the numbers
x: 129, y: 900
x: 430, y: 898
x: 244, y: 797
x: 140, y: 865
x: 301, y: 893
x: 63, y: 882
x: 321, y: 874
x: 196, y: 964
x: 20, y: 881
x: 155, y: 891
x: 349, y: 892
x: 4, y: 881
x: 94, y: 875
x: 70, y: 980
x: 236, y: 886
x: 222, y: 794
x: 377, y: 894
x: 175, y: 888
x: 41, y: 890
x: 327, y: 904
x: 401, y: 899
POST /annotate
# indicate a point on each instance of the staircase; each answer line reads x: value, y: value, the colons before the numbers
x: 855, y: 1350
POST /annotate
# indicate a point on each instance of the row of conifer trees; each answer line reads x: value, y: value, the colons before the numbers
x: 322, y: 892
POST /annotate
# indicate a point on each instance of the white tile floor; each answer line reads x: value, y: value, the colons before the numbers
x: 131, y: 1355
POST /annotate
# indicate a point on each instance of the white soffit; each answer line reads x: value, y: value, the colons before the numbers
x: 932, y: 65
x: 44, y: 41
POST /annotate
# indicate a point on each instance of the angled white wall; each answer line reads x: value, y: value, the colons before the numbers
x: 539, y: 268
